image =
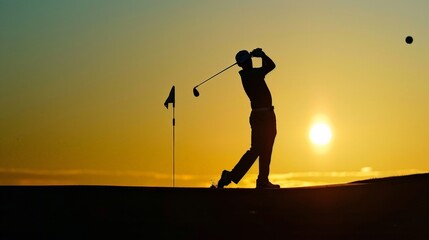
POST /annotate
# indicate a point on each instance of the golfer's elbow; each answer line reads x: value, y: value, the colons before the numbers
x: 271, y: 66
x: 268, y: 63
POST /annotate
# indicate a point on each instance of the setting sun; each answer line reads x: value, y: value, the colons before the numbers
x: 320, y: 134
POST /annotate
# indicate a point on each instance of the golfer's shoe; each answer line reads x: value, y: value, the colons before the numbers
x: 225, y: 179
x: 266, y: 185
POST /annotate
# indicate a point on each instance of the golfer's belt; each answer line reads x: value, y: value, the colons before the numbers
x: 263, y: 109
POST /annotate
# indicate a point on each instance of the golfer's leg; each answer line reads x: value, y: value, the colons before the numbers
x: 264, y: 164
x: 250, y: 156
x: 268, y: 136
x: 243, y: 166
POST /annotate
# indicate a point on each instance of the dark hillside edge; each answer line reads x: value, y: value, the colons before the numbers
x: 411, y: 177
x: 396, y: 209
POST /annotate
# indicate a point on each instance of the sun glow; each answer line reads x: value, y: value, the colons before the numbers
x: 320, y: 134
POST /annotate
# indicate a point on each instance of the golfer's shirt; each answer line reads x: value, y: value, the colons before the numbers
x: 256, y: 88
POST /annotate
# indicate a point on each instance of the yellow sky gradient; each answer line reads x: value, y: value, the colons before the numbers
x: 82, y: 87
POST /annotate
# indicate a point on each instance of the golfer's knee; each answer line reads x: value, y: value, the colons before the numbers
x: 254, y: 151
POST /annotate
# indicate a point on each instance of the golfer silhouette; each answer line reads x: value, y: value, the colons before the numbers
x: 262, y: 120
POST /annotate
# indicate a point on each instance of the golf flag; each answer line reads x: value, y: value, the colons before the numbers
x: 170, y: 98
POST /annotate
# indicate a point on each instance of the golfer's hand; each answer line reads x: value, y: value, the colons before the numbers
x: 257, y: 52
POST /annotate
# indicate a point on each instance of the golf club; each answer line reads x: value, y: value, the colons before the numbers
x: 241, y: 57
x: 196, y: 93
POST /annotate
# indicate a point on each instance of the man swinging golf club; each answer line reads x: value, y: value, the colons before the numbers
x: 262, y: 120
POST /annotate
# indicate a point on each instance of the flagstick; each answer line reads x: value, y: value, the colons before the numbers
x: 174, y: 143
x: 172, y: 99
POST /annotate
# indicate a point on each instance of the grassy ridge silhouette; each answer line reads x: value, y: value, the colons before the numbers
x: 388, y: 208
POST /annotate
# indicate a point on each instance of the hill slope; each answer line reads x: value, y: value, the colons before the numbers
x: 395, y: 208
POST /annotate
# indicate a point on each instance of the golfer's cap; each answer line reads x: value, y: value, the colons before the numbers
x: 242, y: 56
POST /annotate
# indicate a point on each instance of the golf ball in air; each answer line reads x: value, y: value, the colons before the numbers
x: 409, y: 39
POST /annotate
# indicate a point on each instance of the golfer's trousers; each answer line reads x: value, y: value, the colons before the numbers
x: 263, y: 124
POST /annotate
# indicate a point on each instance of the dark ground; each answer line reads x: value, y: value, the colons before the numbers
x: 391, y: 208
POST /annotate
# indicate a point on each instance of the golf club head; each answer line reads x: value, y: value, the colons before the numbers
x: 196, y: 93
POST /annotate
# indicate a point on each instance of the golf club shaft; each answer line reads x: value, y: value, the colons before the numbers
x: 216, y: 74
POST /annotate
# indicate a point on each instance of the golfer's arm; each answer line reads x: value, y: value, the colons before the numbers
x: 267, y: 63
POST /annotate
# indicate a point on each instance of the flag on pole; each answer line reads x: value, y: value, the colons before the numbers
x: 170, y: 98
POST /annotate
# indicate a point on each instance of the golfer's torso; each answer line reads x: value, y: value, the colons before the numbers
x: 256, y: 88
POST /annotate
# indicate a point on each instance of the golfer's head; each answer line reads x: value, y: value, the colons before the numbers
x: 243, y: 59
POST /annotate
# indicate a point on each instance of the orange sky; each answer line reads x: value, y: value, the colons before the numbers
x: 82, y: 87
